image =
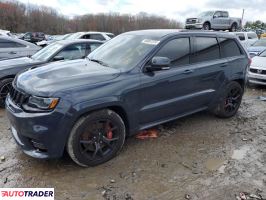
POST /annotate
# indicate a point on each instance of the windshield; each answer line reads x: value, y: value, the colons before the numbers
x: 259, y: 43
x: 124, y: 51
x: 207, y: 13
x: 45, y: 53
x: 263, y: 54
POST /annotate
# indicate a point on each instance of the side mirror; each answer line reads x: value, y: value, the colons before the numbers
x: 215, y: 16
x: 159, y: 63
x: 58, y: 58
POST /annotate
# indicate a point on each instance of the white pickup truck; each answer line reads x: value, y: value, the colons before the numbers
x: 216, y: 20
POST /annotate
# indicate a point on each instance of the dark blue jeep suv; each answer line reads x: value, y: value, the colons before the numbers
x: 135, y: 81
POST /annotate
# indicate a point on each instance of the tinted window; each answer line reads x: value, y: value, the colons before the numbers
x: 9, y: 44
x: 252, y: 36
x: 75, y: 51
x: 225, y: 14
x: 97, y: 37
x: 229, y: 48
x: 241, y: 36
x: 178, y: 50
x: 206, y: 48
x: 218, y: 14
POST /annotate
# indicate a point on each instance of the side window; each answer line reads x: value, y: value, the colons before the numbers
x: 177, y: 50
x: 241, y: 36
x: 229, y: 48
x: 10, y: 44
x: 75, y: 51
x: 218, y: 14
x: 225, y: 14
x: 97, y: 37
x: 206, y: 49
x: 88, y: 36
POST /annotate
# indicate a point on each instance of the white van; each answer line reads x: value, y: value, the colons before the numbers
x: 246, y: 38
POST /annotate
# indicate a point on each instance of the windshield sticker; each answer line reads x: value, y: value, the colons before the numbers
x: 150, y: 42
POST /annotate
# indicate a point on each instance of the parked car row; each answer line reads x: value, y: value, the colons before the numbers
x: 135, y: 81
x: 59, y: 51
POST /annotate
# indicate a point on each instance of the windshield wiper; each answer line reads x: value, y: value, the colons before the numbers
x: 100, y: 62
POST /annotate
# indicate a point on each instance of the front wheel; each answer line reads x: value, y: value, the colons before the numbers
x: 5, y: 87
x: 230, y: 100
x: 96, y: 138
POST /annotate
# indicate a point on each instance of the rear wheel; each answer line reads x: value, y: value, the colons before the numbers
x: 233, y: 27
x: 5, y: 87
x: 96, y: 138
x: 230, y: 100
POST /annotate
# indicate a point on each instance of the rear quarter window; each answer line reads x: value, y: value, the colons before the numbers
x: 229, y: 48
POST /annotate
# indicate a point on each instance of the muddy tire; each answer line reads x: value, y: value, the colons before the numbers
x: 5, y: 86
x: 96, y: 138
x: 206, y: 26
x: 229, y: 101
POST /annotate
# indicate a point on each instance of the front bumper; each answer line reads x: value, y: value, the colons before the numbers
x: 40, y: 135
x: 254, y: 78
x: 194, y: 26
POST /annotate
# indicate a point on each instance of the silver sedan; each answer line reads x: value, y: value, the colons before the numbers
x: 15, y: 48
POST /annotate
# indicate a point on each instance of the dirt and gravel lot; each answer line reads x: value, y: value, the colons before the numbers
x: 197, y: 157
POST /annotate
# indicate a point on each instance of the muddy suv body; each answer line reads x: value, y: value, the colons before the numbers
x: 135, y: 81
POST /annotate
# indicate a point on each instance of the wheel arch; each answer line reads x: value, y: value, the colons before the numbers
x: 114, y: 106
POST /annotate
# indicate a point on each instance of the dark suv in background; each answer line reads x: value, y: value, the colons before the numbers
x: 135, y: 81
x: 33, y: 37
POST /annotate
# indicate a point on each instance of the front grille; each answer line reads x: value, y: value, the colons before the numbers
x: 257, y: 71
x: 18, y: 97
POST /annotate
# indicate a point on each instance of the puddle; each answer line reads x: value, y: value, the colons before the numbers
x: 239, y: 154
x: 214, y: 164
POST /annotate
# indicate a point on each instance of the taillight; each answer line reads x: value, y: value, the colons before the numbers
x: 249, y: 61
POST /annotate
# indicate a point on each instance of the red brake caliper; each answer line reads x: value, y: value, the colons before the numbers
x: 109, y: 131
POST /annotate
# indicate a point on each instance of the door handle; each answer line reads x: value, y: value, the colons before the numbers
x: 12, y: 52
x: 188, y: 71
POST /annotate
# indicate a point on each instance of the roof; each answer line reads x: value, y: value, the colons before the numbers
x: 159, y: 33
x: 74, y: 41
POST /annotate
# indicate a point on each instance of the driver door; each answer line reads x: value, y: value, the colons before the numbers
x: 167, y: 93
x: 217, y: 20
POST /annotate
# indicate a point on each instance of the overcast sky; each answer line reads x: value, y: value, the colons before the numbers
x: 175, y: 9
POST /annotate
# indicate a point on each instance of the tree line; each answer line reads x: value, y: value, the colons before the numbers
x: 18, y: 17
x: 255, y: 25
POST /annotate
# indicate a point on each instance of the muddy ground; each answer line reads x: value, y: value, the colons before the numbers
x: 200, y: 156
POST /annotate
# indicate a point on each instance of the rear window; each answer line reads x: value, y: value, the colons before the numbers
x: 229, y: 48
x: 206, y: 49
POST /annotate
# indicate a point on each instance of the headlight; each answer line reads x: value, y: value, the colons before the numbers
x: 40, y: 104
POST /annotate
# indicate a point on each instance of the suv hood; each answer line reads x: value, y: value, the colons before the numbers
x: 61, y: 76
x: 259, y: 62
